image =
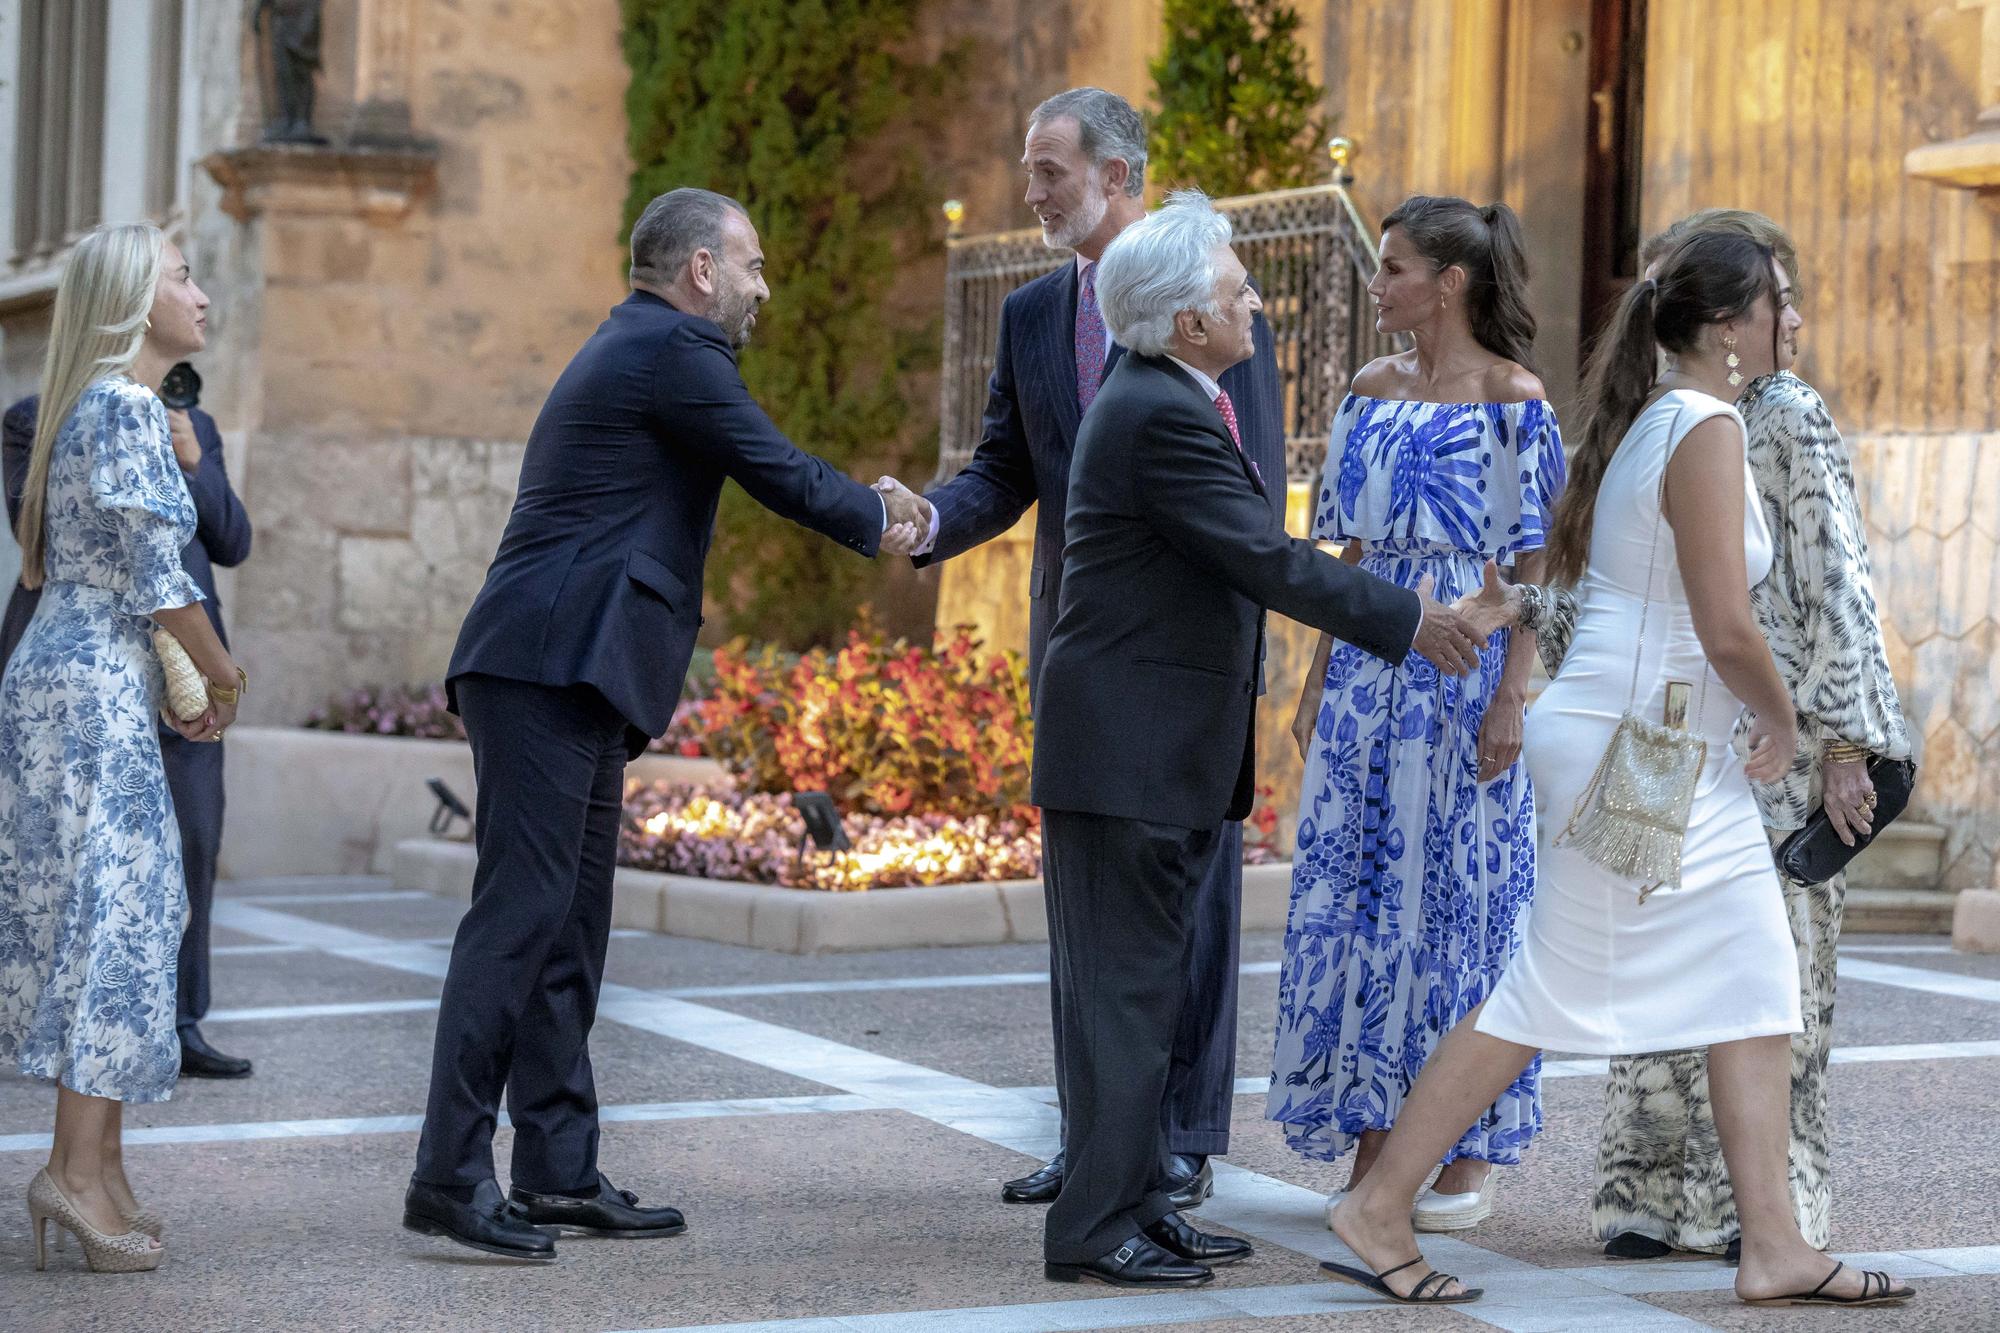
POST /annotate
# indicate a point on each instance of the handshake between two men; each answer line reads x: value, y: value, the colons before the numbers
x: 1449, y: 637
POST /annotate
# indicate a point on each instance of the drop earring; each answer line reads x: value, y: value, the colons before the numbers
x: 1732, y: 360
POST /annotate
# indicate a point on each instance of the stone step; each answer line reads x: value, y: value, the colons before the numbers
x: 1908, y: 855
x: 1898, y: 911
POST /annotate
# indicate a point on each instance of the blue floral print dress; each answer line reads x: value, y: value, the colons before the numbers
x: 92, y: 896
x: 1410, y: 876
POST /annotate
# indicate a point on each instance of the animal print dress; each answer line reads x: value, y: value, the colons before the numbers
x: 1659, y: 1167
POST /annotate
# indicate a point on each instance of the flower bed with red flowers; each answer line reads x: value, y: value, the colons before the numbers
x: 927, y: 753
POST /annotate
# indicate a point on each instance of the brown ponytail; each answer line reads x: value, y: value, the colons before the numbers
x: 1486, y: 243
x: 1710, y: 277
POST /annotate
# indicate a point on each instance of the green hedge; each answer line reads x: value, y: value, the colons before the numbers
x: 1238, y: 113
x: 802, y: 110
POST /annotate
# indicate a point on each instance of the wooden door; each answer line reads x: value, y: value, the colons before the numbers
x: 1613, y: 161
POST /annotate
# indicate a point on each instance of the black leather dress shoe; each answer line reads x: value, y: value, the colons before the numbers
x: 488, y: 1223
x: 614, y: 1212
x: 200, y: 1060
x: 1036, y: 1187
x: 1191, y: 1184
x: 1136, y: 1263
x: 1173, y: 1234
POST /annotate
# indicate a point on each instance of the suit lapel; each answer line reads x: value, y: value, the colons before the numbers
x: 1186, y: 381
x: 1057, y: 336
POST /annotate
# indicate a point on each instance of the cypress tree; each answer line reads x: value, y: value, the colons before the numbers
x: 802, y: 110
x: 1237, y: 112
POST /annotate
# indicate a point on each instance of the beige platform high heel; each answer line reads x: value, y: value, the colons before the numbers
x: 132, y: 1252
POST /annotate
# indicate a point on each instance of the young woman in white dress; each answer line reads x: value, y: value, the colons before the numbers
x: 1681, y: 542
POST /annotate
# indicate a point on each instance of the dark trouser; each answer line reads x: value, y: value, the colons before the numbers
x: 194, y: 780
x: 1121, y: 898
x: 1202, y: 1079
x: 521, y: 993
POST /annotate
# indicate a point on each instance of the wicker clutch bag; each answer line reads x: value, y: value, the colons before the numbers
x: 187, y: 688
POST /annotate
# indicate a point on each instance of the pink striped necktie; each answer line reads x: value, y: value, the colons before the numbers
x: 1228, y: 410
x: 1092, y: 342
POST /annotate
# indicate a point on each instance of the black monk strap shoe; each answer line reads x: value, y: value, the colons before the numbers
x: 1192, y: 1182
x: 1136, y: 1263
x: 614, y: 1212
x: 200, y: 1060
x: 1173, y: 1234
x: 488, y: 1223
x: 1036, y: 1187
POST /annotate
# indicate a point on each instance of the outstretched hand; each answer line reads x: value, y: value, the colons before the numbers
x: 909, y: 517
x: 1496, y: 606
x: 1443, y: 636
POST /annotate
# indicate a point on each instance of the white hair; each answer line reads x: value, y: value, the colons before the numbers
x: 1159, y: 266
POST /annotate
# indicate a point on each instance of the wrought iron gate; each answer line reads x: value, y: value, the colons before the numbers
x: 1312, y: 258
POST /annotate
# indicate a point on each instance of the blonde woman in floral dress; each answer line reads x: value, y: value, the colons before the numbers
x: 92, y: 894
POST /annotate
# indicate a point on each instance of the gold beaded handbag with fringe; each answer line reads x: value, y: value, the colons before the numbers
x: 1633, y: 815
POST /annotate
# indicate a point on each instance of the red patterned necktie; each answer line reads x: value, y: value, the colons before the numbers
x: 1092, y: 342
x: 1228, y: 410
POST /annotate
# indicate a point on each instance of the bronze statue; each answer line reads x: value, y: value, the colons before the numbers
x: 292, y: 50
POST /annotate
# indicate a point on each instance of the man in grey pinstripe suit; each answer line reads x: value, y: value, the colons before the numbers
x: 1086, y: 162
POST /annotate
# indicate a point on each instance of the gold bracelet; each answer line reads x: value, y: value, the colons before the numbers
x: 1840, y: 752
x: 225, y: 694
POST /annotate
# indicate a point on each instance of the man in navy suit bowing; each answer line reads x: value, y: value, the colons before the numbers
x: 1086, y: 163
x: 571, y: 658
x: 1145, y: 736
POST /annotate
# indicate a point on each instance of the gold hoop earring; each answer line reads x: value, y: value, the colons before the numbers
x: 1732, y: 360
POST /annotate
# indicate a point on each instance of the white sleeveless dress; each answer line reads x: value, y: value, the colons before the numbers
x: 1599, y: 972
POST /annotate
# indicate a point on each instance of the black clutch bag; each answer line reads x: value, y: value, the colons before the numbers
x: 1815, y: 853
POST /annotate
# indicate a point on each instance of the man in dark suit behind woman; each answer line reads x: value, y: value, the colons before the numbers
x: 1144, y: 723
x: 570, y: 660
x: 194, y: 769
x: 1086, y: 165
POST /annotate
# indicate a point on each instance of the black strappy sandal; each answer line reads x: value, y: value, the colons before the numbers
x: 1875, y: 1290
x: 1424, y: 1293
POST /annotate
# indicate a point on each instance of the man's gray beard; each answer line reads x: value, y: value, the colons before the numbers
x: 736, y: 324
x: 1080, y: 227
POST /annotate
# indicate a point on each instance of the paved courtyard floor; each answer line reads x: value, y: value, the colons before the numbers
x: 836, y: 1129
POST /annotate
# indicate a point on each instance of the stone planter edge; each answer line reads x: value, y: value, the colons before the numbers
x: 803, y: 921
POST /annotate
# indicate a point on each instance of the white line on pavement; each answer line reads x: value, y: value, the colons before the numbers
x: 1954, y: 984
x: 635, y: 1112
x: 830, y: 1104
x: 235, y: 950
x: 286, y: 1012
x: 359, y: 896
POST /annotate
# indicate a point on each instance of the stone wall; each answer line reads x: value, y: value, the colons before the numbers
x: 401, y: 360
x: 1933, y: 508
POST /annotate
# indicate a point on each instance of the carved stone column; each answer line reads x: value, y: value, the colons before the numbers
x: 1973, y: 162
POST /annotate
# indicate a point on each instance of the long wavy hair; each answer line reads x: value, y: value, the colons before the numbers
x: 98, y: 329
x: 1711, y: 277
x: 1486, y: 243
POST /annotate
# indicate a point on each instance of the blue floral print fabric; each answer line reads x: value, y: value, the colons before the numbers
x: 1410, y: 877
x: 92, y: 895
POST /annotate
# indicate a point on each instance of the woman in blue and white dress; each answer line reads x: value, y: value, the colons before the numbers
x: 1416, y: 834
x: 92, y: 896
